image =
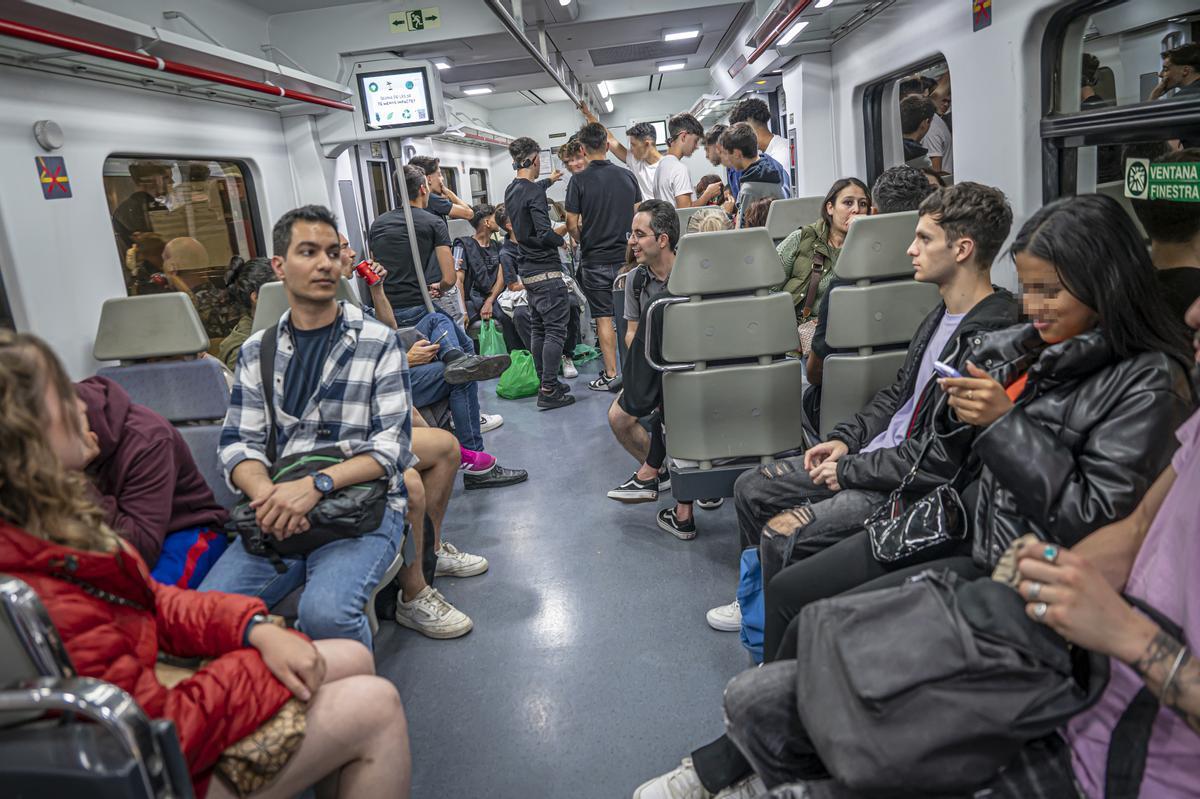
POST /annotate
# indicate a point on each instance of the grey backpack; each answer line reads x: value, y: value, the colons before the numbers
x: 934, y: 686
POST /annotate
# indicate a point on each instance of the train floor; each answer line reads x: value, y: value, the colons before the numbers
x: 590, y: 668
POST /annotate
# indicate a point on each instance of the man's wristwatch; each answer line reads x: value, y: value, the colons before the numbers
x: 255, y: 620
x: 323, y: 483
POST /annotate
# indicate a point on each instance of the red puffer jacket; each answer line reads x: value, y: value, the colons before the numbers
x: 222, y: 703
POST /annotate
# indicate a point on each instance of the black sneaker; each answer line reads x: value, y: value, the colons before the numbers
x: 684, y: 531
x: 710, y: 504
x: 601, y: 383
x: 470, y: 368
x: 496, y: 477
x: 635, y: 490
x: 555, y: 399
x: 563, y: 387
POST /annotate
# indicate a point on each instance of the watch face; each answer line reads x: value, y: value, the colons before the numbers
x: 323, y: 482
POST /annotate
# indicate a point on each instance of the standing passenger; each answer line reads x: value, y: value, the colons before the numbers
x: 672, y: 183
x: 757, y: 114
x: 759, y: 177
x: 916, y: 115
x: 600, y: 203
x: 540, y: 271
x: 641, y: 157
x: 1180, y: 75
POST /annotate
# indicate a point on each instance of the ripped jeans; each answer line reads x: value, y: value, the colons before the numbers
x: 822, y: 519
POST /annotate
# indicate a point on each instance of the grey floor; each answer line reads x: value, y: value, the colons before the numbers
x: 590, y: 668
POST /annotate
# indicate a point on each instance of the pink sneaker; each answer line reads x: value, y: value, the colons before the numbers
x: 476, y: 462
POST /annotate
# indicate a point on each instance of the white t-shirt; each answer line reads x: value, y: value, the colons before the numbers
x: 781, y: 151
x: 671, y: 180
x: 643, y: 172
x: 939, y: 142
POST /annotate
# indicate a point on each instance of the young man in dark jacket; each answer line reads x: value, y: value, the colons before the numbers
x: 809, y: 502
x: 759, y: 177
x: 149, y: 488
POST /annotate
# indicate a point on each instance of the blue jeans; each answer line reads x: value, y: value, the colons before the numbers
x: 429, y: 386
x: 433, y: 326
x: 338, y: 579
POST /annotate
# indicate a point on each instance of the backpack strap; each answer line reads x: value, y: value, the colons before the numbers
x: 266, y: 363
x: 814, y: 282
x: 1131, y: 736
x: 640, y: 278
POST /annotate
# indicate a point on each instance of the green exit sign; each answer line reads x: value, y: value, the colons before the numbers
x: 418, y: 19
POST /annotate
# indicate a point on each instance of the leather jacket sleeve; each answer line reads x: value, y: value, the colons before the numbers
x: 884, y: 469
x: 1070, y: 493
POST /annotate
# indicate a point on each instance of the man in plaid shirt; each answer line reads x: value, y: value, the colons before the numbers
x: 339, y: 379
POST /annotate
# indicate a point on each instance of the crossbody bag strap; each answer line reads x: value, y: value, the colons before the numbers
x: 814, y: 281
x: 266, y: 362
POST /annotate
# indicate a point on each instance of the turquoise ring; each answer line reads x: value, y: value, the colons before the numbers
x: 1050, y: 553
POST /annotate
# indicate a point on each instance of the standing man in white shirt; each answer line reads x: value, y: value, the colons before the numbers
x: 758, y: 114
x: 641, y: 156
x: 672, y: 181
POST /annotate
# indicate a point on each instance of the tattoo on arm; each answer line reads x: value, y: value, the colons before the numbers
x: 1183, y: 694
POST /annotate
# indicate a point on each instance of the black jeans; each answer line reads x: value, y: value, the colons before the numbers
x: 829, y: 573
x: 549, y: 314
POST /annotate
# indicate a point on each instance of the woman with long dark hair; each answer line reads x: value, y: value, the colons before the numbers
x: 242, y: 281
x: 1079, y: 405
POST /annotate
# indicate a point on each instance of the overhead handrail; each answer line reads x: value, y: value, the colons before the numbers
x: 506, y: 19
x: 30, y: 33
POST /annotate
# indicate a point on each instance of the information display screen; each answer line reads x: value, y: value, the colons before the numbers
x: 395, y: 98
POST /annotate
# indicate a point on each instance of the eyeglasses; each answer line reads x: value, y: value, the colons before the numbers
x: 634, y: 235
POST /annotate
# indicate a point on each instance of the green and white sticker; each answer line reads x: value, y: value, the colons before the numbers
x: 1147, y: 181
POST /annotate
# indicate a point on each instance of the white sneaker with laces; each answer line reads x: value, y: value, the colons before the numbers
x: 452, y: 563
x: 431, y: 615
x: 726, y: 618
x: 489, y: 422
x: 751, y: 787
x: 682, y: 783
x: 568, y: 368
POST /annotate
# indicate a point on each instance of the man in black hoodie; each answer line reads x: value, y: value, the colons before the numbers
x: 806, y: 503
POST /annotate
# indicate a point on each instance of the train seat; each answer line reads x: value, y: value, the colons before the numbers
x: 876, y: 317
x: 191, y: 394
x: 786, y: 216
x: 272, y: 302
x: 99, y: 745
x: 730, y: 397
x: 685, y: 215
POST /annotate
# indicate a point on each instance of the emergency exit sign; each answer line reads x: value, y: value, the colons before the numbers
x: 418, y: 19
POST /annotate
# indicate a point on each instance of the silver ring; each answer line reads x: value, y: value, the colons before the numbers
x: 1035, y: 590
x: 1039, y: 610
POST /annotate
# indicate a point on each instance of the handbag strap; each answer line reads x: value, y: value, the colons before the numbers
x: 1130, y: 740
x: 266, y: 363
x: 814, y: 281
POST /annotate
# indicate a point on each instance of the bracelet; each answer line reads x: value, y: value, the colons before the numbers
x: 1174, y: 671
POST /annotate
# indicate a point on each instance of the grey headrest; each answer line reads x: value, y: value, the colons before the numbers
x: 152, y: 326
x: 180, y: 391
x: 685, y: 214
x: 876, y: 247
x: 786, y: 216
x: 272, y: 302
x: 725, y: 261
x: 459, y: 228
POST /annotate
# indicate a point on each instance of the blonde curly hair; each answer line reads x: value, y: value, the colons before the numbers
x: 37, y: 493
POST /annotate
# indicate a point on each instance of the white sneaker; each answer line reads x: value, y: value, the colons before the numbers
x: 453, y: 563
x: 431, y: 615
x: 568, y: 369
x: 727, y: 618
x: 489, y: 422
x: 682, y: 783
x: 751, y: 787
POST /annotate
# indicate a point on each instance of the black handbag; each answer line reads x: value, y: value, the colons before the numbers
x: 347, y: 512
x: 926, y: 529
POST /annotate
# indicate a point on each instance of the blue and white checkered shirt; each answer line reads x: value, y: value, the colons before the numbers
x: 363, y: 403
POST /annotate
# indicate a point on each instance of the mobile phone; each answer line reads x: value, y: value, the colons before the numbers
x: 439, y: 338
x: 944, y: 370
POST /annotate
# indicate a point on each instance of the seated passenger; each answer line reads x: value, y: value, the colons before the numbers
x: 799, y: 506
x: 810, y: 253
x: 244, y: 279
x: 444, y: 205
x: 709, y: 190
x: 916, y: 115
x: 655, y: 236
x: 1066, y: 446
x: 113, y: 619
x: 1174, y: 231
x: 708, y: 220
x: 341, y: 382
x: 756, y: 214
x: 477, y: 260
x: 147, y: 484
x: 759, y: 177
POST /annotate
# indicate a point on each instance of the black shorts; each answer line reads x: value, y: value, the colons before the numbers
x: 596, y: 280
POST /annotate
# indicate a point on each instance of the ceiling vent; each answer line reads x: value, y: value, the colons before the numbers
x: 472, y: 73
x: 645, y: 51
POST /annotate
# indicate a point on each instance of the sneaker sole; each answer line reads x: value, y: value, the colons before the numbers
x: 556, y: 405
x: 708, y: 505
x: 485, y: 370
x: 680, y: 534
x: 631, y: 498
x: 598, y: 388
x: 723, y: 626
x: 474, y: 486
x: 490, y: 428
x: 473, y: 571
x: 441, y: 635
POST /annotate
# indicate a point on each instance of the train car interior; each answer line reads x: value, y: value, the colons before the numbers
x: 753, y: 342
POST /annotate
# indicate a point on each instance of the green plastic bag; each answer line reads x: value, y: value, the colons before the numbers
x: 491, y: 340
x: 583, y: 353
x: 520, y: 378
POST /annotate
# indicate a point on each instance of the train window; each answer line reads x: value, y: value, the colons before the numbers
x: 479, y: 186
x: 1129, y: 52
x: 450, y: 177
x: 909, y: 121
x: 177, y: 224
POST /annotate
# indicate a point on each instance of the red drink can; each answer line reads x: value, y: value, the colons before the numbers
x: 365, y: 271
